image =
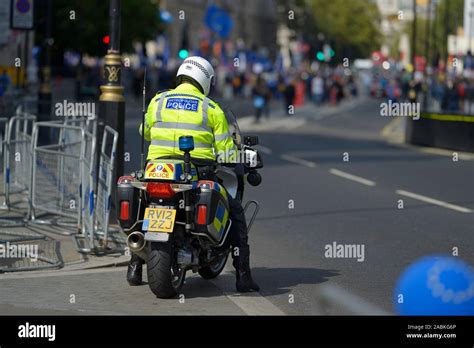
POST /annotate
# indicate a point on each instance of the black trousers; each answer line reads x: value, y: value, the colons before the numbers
x: 238, y: 235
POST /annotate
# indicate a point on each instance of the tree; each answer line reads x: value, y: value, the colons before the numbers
x: 80, y: 25
x: 351, y: 26
x: 448, y: 17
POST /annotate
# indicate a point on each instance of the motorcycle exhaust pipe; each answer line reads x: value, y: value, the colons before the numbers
x: 136, y: 242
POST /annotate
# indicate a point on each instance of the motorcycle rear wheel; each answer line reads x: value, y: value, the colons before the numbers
x: 165, y: 279
x: 213, y: 270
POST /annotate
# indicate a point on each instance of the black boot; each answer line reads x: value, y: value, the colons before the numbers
x: 134, y: 272
x: 244, y: 283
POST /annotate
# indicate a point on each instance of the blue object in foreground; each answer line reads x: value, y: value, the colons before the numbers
x: 436, y: 285
x: 186, y: 143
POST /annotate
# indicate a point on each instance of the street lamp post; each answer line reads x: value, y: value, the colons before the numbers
x: 470, y: 26
x: 427, y: 54
x: 111, y: 100
x: 471, y: 17
x: 413, y: 38
x: 428, y: 34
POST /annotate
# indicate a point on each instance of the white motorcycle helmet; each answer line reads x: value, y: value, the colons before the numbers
x: 200, y: 70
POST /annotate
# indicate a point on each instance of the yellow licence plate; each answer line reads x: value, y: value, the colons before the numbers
x: 160, y: 219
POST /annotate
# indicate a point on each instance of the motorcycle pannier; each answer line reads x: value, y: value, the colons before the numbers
x: 212, y: 210
x: 127, y: 204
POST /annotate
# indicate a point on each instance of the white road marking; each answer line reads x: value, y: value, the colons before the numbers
x: 449, y: 153
x: 335, y: 296
x: 465, y: 156
x: 251, y: 303
x: 264, y: 149
x: 433, y: 201
x: 298, y: 161
x: 352, y: 177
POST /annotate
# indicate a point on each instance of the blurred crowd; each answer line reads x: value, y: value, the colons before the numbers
x: 248, y: 75
x: 245, y: 75
x: 265, y: 86
x: 437, y: 90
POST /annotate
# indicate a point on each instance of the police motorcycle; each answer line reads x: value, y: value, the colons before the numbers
x: 175, y: 211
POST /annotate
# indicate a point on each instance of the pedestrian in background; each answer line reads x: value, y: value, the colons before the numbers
x: 4, y: 85
x: 228, y: 92
x: 352, y: 86
x: 259, y: 94
x: 268, y: 97
x: 289, y: 96
x: 281, y: 87
x: 317, y: 89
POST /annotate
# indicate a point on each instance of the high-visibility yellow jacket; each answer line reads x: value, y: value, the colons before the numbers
x: 186, y: 111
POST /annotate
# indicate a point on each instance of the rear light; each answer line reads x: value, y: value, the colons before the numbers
x: 126, y: 178
x: 202, y: 214
x: 124, y: 210
x: 160, y: 189
x: 181, y: 187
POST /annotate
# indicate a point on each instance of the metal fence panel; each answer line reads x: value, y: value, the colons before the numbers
x: 56, y: 176
x: 17, y: 154
x: 61, y: 177
x: 89, y: 187
x: 105, y: 180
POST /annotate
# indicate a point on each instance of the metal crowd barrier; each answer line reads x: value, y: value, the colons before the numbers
x: 105, y: 179
x: 15, y: 166
x: 17, y: 155
x: 89, y: 183
x: 104, y: 191
x: 56, y: 177
x: 60, y: 178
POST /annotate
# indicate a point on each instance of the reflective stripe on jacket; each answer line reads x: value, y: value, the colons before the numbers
x: 186, y: 111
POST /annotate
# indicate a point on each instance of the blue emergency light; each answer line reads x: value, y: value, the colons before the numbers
x: 186, y: 143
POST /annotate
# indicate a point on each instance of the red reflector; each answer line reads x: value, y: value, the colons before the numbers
x: 125, y: 178
x: 202, y: 213
x: 124, y: 210
x: 160, y: 189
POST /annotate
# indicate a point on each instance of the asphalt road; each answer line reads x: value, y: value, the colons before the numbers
x: 329, y: 177
x: 353, y: 202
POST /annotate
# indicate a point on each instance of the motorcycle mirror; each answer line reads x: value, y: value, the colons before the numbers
x: 251, y: 140
x: 254, y: 178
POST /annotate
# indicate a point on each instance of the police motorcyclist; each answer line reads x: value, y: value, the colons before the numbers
x: 186, y: 110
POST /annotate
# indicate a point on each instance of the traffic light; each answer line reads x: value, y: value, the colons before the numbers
x: 106, y: 39
x: 320, y: 56
x: 183, y: 53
